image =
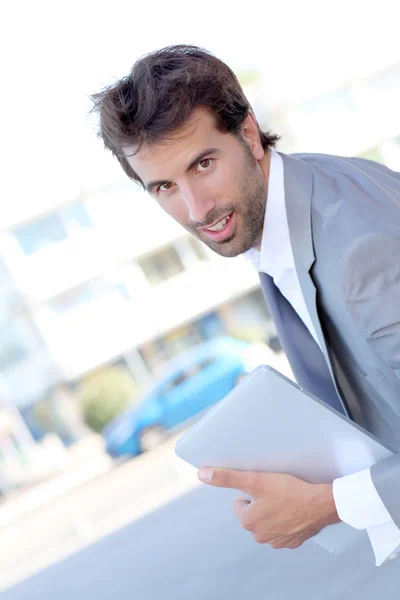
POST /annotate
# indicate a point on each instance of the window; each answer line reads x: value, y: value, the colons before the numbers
x: 208, y: 362
x: 396, y: 141
x: 41, y: 234
x: 75, y: 214
x: 383, y: 85
x: 183, y: 376
x: 161, y: 265
x: 190, y: 251
x: 13, y: 348
x: 86, y: 294
x: 11, y: 298
x: 53, y: 228
x: 323, y: 119
x: 335, y: 103
x: 176, y: 382
x: 198, y: 248
x: 190, y: 372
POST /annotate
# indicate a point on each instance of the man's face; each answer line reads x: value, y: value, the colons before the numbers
x: 210, y: 182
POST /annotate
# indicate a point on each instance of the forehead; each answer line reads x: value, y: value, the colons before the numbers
x: 163, y: 158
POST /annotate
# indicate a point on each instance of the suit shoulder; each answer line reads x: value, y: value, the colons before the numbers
x: 369, y: 263
x: 339, y: 162
x: 370, y: 288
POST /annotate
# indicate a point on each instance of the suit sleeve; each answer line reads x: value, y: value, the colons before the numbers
x: 371, y: 287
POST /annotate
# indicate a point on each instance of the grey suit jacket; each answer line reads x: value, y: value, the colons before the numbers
x: 344, y: 225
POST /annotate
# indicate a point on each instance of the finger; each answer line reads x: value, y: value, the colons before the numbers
x: 240, y: 507
x: 245, y: 481
x: 285, y: 542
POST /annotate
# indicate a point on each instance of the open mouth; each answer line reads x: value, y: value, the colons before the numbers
x: 221, y: 229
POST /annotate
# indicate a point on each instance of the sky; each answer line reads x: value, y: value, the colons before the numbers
x: 54, y: 57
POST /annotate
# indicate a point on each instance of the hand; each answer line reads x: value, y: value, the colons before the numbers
x: 284, y: 511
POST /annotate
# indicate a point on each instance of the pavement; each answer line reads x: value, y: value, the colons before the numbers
x: 148, y: 529
x: 94, y: 498
x: 193, y: 548
x: 58, y: 526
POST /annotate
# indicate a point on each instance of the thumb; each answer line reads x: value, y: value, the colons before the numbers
x: 227, y: 478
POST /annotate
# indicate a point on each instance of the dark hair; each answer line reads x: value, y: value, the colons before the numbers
x: 159, y: 95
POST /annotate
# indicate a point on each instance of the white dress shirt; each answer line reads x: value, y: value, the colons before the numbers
x: 357, y: 501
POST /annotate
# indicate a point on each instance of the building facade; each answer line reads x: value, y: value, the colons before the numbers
x: 106, y: 278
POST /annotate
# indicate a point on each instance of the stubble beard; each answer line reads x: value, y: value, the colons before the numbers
x: 249, y: 208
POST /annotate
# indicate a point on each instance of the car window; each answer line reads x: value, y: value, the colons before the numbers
x: 175, y: 382
x: 188, y: 373
x: 207, y: 363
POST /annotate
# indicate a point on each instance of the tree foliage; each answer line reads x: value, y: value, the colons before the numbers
x: 105, y: 394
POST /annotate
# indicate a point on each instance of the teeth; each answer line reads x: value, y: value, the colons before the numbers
x: 219, y: 225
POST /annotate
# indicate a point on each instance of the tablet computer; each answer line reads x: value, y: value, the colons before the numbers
x: 268, y: 423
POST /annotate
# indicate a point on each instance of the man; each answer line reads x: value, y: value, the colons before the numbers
x: 324, y: 234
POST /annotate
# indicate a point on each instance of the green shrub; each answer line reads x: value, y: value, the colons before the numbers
x: 105, y: 394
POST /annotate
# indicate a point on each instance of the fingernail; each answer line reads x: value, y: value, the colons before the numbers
x: 205, y: 475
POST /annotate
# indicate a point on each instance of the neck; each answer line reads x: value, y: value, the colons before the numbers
x: 264, y: 164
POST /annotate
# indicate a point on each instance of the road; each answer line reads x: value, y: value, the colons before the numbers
x: 79, y: 507
x: 64, y: 525
x: 193, y: 548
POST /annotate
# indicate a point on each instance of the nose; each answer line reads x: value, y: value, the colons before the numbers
x: 199, y: 204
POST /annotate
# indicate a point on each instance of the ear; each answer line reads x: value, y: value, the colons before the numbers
x: 251, y: 134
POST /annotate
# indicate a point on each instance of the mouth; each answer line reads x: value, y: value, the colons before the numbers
x: 221, y: 229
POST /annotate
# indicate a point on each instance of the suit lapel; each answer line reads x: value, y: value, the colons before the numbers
x: 298, y: 183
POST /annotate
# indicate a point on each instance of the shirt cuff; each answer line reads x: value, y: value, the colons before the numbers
x: 359, y: 505
x: 385, y: 541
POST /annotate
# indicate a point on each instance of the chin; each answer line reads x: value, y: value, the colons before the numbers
x: 229, y: 248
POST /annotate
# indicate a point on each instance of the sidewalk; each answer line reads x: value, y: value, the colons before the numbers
x: 75, y: 509
x: 70, y: 522
x: 86, y: 461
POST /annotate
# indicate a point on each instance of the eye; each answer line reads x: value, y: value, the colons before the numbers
x: 204, y: 164
x: 164, y: 187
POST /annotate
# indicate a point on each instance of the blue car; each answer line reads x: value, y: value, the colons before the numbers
x: 190, y: 385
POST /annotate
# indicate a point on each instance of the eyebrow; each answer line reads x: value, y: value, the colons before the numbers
x: 150, y: 186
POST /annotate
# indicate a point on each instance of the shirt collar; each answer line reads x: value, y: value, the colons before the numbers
x: 276, y: 252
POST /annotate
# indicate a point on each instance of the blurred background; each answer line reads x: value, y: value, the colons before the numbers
x: 117, y: 329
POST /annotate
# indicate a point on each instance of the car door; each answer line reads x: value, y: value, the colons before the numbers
x: 196, y: 387
x: 215, y: 379
x: 175, y: 399
x: 207, y: 381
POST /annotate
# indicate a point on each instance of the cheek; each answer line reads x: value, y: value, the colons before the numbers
x: 230, y: 178
x: 223, y: 178
x: 219, y: 186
